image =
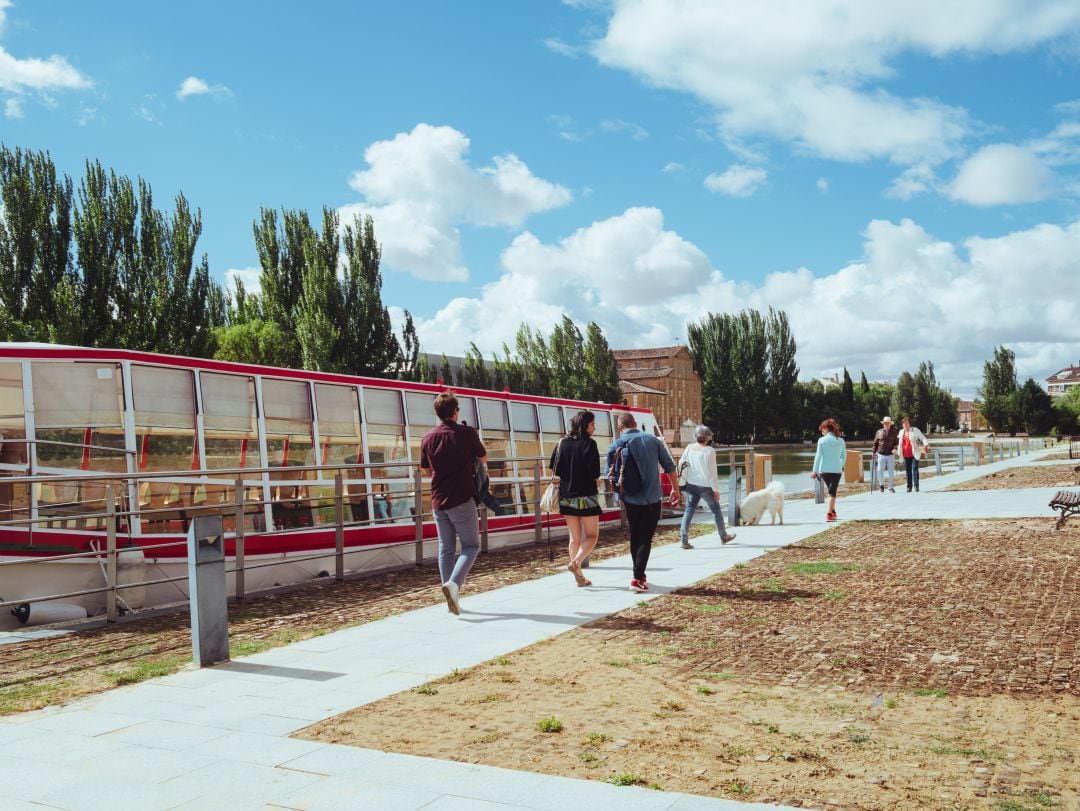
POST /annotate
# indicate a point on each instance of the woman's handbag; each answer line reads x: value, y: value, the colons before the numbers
x: 549, y: 502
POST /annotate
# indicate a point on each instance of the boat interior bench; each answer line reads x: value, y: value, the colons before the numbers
x: 1067, y: 502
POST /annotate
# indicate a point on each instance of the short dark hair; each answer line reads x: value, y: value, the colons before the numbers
x: 626, y: 420
x: 579, y: 424
x: 446, y: 405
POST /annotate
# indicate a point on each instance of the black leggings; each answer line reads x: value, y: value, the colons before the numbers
x: 642, y: 519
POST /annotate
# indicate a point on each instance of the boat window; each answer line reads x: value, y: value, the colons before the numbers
x: 495, y: 432
x: 551, y: 431
x: 467, y: 411
x: 526, y: 443
x: 338, y: 410
x: 229, y: 420
x: 14, y: 498
x: 78, y: 413
x: 288, y: 419
x: 385, y: 420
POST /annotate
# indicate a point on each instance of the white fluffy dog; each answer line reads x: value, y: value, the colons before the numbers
x: 770, y: 498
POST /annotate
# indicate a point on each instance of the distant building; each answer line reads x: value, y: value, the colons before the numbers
x: 968, y: 416
x: 663, y: 380
x: 1061, y: 381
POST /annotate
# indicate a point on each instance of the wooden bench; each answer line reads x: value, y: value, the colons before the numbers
x: 1067, y: 502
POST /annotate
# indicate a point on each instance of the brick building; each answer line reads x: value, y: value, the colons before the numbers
x: 1062, y: 380
x: 663, y: 380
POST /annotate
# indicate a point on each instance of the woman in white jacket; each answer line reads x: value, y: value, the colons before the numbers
x: 697, y: 467
x: 911, y: 445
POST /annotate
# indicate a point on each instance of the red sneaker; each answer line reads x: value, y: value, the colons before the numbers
x: 830, y: 517
x: 639, y: 585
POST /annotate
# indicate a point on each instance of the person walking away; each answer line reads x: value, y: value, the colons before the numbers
x: 913, y: 445
x: 702, y: 482
x: 829, y: 461
x: 447, y: 454
x: 648, y: 454
x: 884, y: 451
x: 575, y: 462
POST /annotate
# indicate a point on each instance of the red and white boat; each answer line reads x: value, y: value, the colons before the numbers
x: 178, y: 432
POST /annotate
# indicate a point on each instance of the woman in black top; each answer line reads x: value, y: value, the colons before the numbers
x: 576, y: 464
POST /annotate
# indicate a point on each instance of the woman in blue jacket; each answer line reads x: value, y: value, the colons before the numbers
x: 829, y: 461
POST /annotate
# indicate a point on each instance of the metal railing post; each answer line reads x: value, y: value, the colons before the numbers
x: 537, y: 518
x: 339, y: 527
x: 960, y: 465
x: 110, y: 552
x: 873, y: 473
x: 418, y: 516
x: 733, y: 497
x: 238, y: 540
x: 751, y: 472
x: 483, y: 530
x: 937, y: 462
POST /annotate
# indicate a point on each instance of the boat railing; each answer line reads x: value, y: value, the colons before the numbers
x: 116, y: 511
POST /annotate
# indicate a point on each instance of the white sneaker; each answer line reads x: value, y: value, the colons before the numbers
x: 450, y: 592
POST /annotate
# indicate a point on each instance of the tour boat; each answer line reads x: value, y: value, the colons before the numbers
x: 172, y: 436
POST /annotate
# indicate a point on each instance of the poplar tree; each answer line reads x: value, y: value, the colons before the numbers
x: 601, y: 370
x: 474, y: 372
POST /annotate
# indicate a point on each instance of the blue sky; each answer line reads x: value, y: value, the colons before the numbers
x: 901, y: 179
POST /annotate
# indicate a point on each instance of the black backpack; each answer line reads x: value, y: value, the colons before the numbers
x: 625, y: 477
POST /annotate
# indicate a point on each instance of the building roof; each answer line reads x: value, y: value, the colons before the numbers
x: 629, y: 387
x: 645, y: 374
x: 965, y: 405
x: 1070, y: 374
x: 657, y: 352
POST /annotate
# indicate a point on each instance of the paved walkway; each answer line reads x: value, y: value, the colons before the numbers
x: 218, y: 737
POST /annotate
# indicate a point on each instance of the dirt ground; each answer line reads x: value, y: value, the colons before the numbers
x: 881, y: 665
x: 1020, y: 477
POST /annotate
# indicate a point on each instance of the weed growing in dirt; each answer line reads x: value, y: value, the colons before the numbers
x: 588, y: 757
x: 1040, y: 799
x: 453, y: 676
x: 822, y: 567
x: 772, y: 729
x: 966, y: 751
x: 835, y: 596
x: 147, y: 669
x: 673, y: 706
x: 740, y: 566
x: 705, y: 690
x: 936, y: 692
x: 758, y: 620
x: 709, y: 608
x: 503, y: 660
x: 596, y: 738
x: 507, y: 678
x: 549, y: 724
x: 492, y: 698
x: 625, y: 779
x: 774, y: 585
x: 858, y: 738
x: 724, y: 676
x: 641, y: 603
x: 619, y: 663
x: 890, y: 703
x: 427, y: 690
x: 738, y: 787
x: 491, y: 737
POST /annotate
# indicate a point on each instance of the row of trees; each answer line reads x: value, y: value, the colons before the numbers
x: 100, y: 265
x: 563, y: 364
x: 1009, y: 407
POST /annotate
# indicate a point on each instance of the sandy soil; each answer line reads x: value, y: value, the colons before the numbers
x: 1020, y: 477
x: 878, y: 666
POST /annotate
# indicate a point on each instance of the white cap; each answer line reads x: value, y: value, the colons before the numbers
x: 886, y: 418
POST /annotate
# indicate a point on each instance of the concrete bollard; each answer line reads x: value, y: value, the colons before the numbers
x: 206, y: 591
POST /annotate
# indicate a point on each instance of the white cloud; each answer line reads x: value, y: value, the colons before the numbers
x: 13, y: 108
x: 562, y: 48
x: 1001, y: 174
x: 673, y: 168
x: 643, y: 283
x: 251, y: 277
x: 913, y: 181
x: 813, y: 73
x: 194, y: 86
x: 823, y: 185
x: 20, y: 75
x: 636, y: 131
x: 737, y: 181
x: 86, y: 115
x: 419, y: 188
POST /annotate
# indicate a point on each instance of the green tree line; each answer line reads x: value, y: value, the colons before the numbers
x: 1010, y: 407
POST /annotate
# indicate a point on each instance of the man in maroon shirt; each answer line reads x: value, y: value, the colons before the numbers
x: 446, y: 455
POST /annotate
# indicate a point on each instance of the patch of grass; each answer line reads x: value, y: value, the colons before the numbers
x: 453, y: 676
x: 588, y: 757
x: 595, y: 739
x: 835, y: 596
x: 822, y: 567
x: 758, y: 620
x: 492, y: 698
x: 967, y: 751
x: 503, y: 660
x: 655, y: 786
x: 285, y: 636
x: 641, y: 603
x: 890, y: 703
x: 491, y: 737
x: 1041, y: 800
x: 549, y: 725
x: 705, y: 690
x: 625, y: 779
x: 738, y: 788
x: 936, y: 692
x: 774, y: 585
x: 147, y: 669
x: 427, y: 690
x: 710, y: 608
x: 740, y: 566
x: 858, y: 738
x: 722, y: 676
x: 33, y: 696
x: 772, y: 729
x: 619, y: 663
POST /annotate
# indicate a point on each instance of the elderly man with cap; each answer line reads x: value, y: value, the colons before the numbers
x: 885, y: 452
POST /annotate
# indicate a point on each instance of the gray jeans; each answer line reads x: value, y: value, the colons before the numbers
x: 457, y: 523
x: 886, y: 463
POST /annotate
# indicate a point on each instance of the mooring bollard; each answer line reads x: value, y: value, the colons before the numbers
x: 733, y: 498
x: 960, y: 464
x: 206, y: 591
x: 873, y: 473
x: 819, y: 490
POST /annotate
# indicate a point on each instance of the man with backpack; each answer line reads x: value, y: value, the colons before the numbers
x: 633, y: 462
